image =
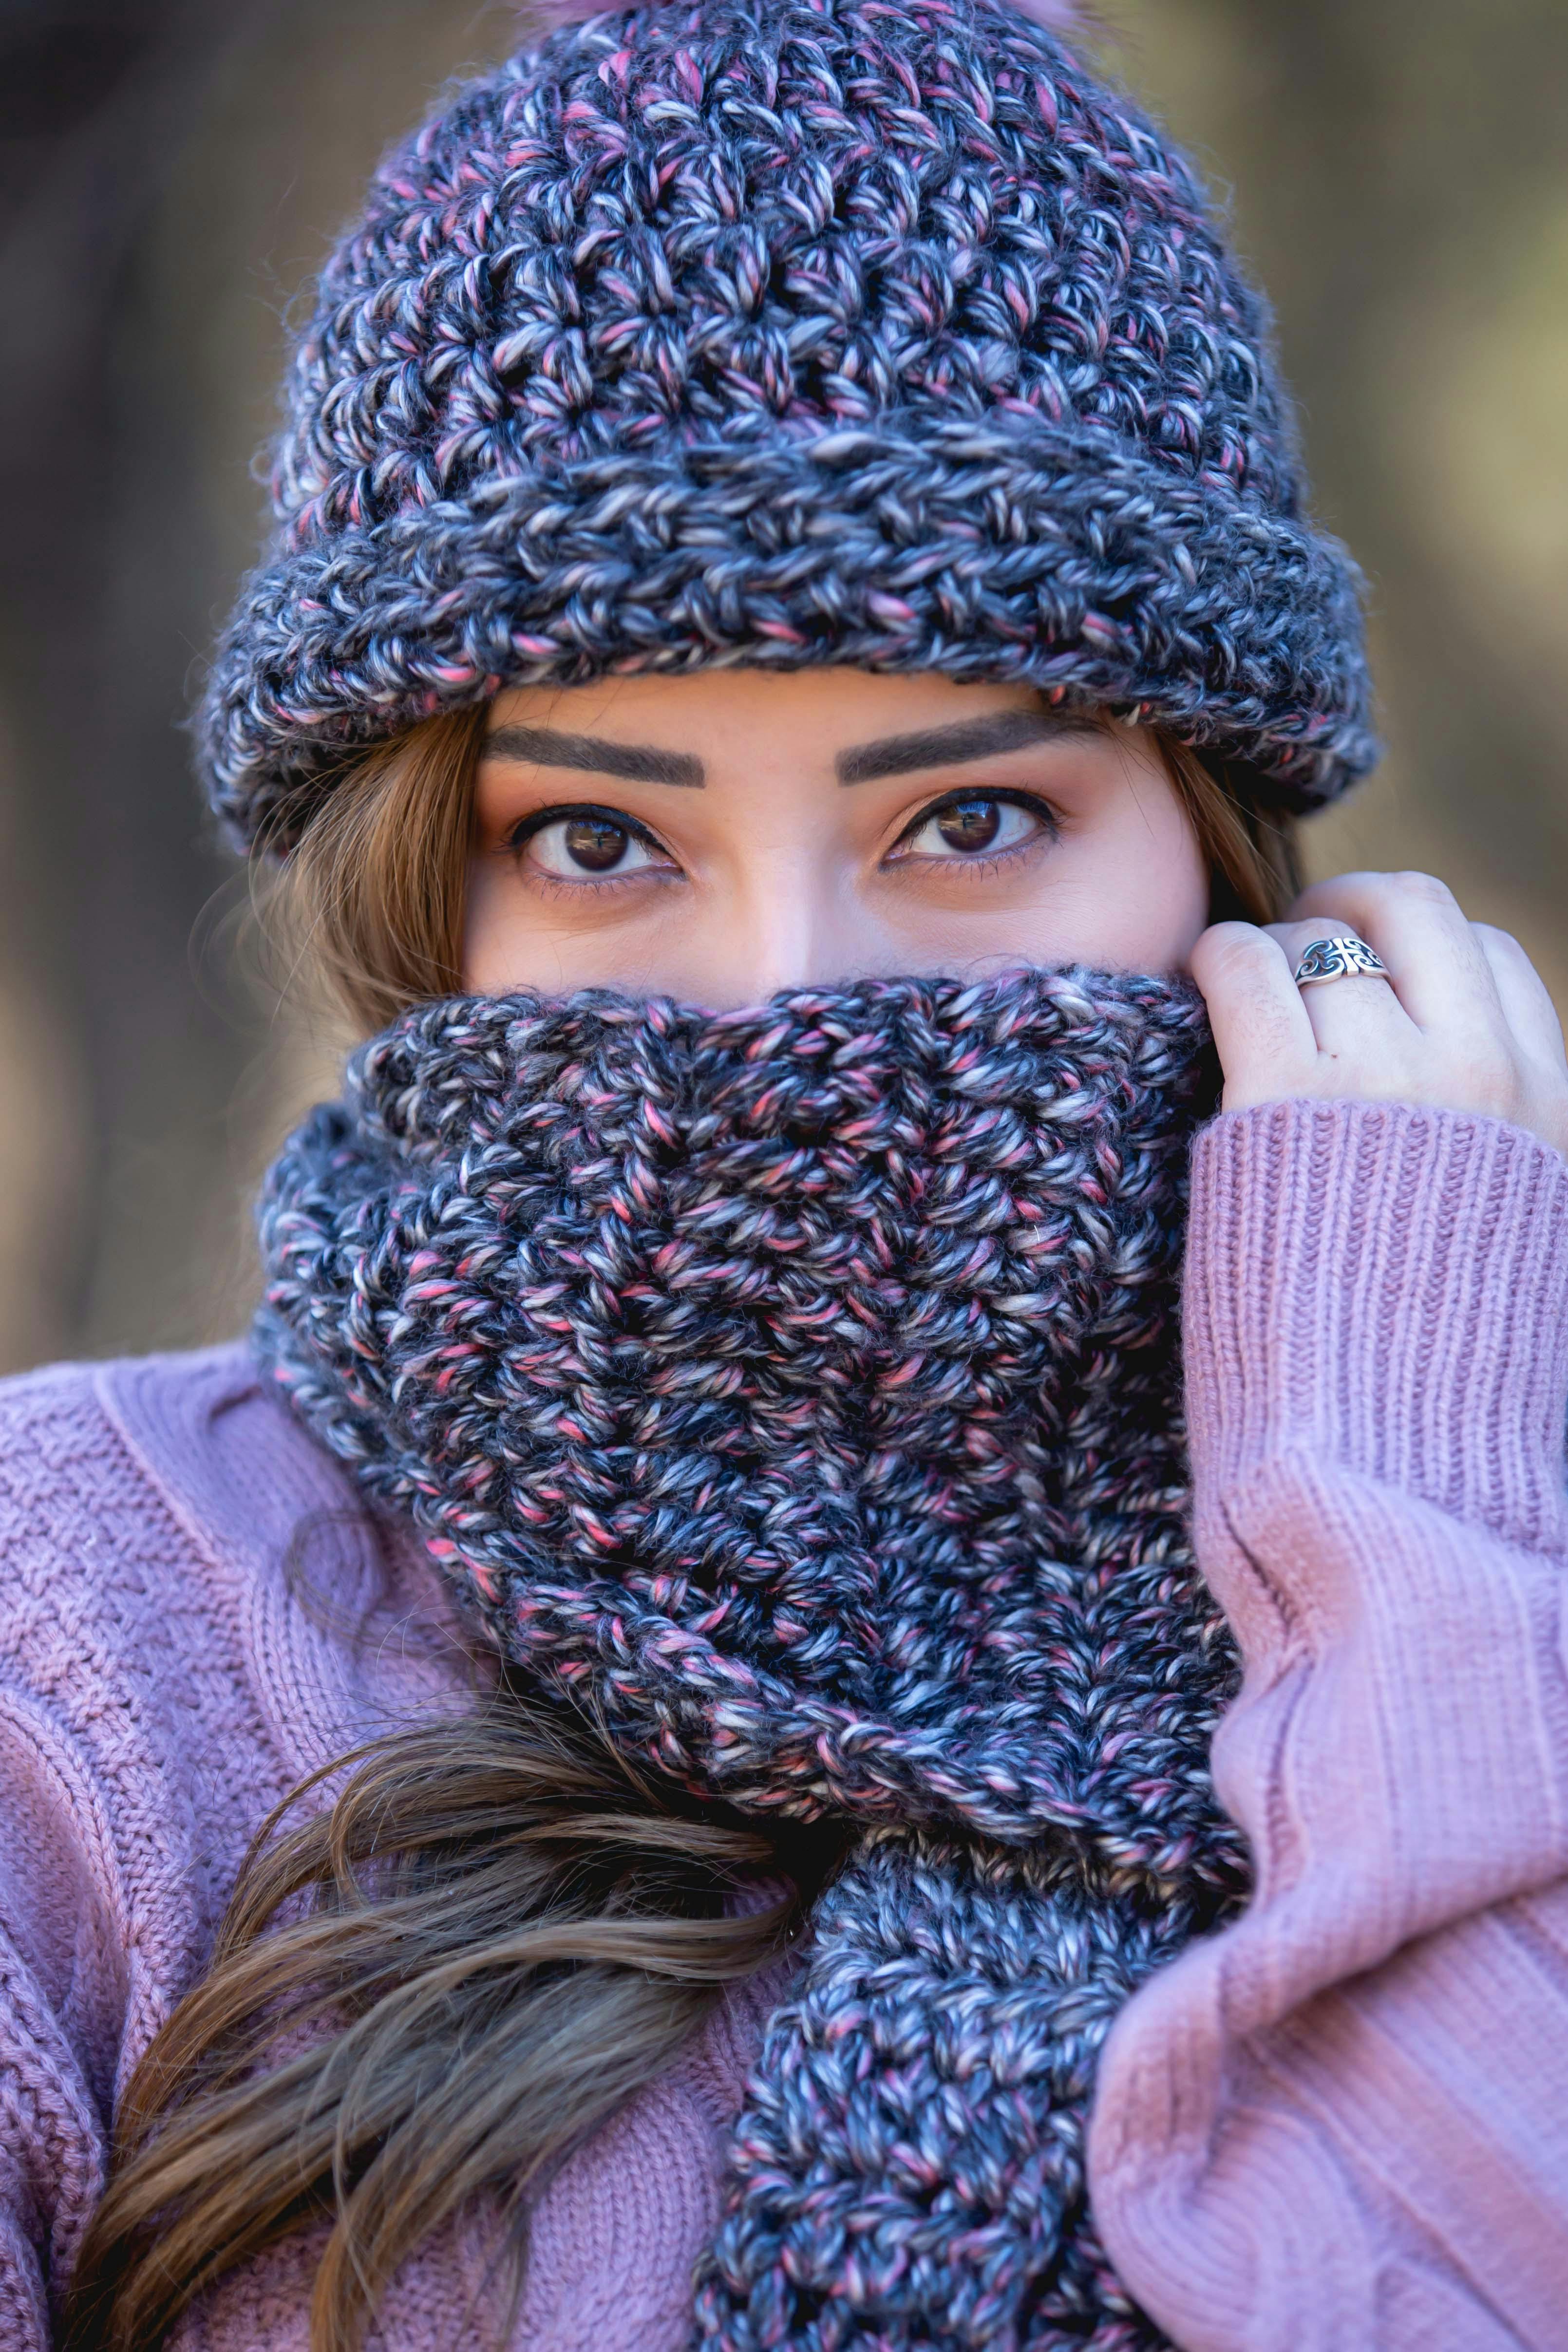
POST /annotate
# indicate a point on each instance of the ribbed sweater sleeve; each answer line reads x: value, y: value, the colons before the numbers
x: 1342, y: 2121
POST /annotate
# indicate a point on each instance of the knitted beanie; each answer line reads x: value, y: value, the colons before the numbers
x: 782, y: 332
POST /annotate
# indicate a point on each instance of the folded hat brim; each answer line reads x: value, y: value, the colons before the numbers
x: 995, y: 548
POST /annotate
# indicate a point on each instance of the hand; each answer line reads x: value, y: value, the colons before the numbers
x: 1462, y: 1023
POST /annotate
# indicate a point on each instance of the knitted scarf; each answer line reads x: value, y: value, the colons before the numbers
x: 798, y: 1388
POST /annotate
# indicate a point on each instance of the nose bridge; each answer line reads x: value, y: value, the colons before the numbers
x: 786, y: 924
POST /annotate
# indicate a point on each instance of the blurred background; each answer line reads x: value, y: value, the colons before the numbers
x: 170, y: 173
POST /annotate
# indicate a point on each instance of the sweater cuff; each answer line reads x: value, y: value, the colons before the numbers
x: 1386, y: 1289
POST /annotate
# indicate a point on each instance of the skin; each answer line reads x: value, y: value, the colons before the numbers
x: 719, y: 836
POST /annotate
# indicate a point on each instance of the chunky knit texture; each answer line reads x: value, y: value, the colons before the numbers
x: 1343, y: 2121
x: 798, y: 1389
x: 787, y: 332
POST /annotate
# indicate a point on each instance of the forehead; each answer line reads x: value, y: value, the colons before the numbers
x: 831, y: 705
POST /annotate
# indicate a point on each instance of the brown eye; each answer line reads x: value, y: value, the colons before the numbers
x: 973, y: 822
x: 970, y: 824
x: 594, y: 843
x: 589, y: 842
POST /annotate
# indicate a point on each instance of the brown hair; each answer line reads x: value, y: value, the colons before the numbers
x: 423, y: 1995
x: 424, y: 1992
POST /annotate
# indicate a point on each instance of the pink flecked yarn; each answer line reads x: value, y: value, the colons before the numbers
x: 1056, y: 16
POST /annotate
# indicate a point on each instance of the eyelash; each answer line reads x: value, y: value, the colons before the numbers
x: 516, y: 838
x: 518, y: 835
x: 982, y: 862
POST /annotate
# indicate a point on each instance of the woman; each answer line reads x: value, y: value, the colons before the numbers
x: 790, y: 660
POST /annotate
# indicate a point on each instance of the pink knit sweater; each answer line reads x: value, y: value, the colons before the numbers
x: 1342, y: 2123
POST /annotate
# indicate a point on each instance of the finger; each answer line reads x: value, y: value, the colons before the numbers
x: 1436, y: 967
x: 1357, y: 1010
x: 1296, y: 938
x: 1261, y: 1030
x: 1527, y: 1005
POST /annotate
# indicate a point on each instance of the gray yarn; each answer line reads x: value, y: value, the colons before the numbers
x: 783, y: 332
x: 798, y: 1390
x: 909, y: 2168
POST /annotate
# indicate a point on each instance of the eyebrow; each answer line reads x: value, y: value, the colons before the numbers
x: 943, y: 747
x: 640, y: 764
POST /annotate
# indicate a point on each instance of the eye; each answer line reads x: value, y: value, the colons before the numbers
x: 583, y: 845
x: 972, y: 825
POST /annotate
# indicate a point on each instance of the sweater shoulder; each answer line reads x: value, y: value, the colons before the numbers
x: 196, y: 1609
x: 62, y: 1449
x: 116, y: 1554
x: 86, y: 1529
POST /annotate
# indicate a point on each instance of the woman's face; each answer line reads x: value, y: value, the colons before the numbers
x: 716, y: 838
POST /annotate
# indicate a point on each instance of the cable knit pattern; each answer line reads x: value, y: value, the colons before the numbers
x: 162, y: 1684
x: 788, y: 332
x: 797, y: 1390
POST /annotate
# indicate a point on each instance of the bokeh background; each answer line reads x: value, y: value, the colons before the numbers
x: 170, y: 173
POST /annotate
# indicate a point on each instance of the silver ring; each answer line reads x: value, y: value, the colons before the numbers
x: 1337, y: 959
